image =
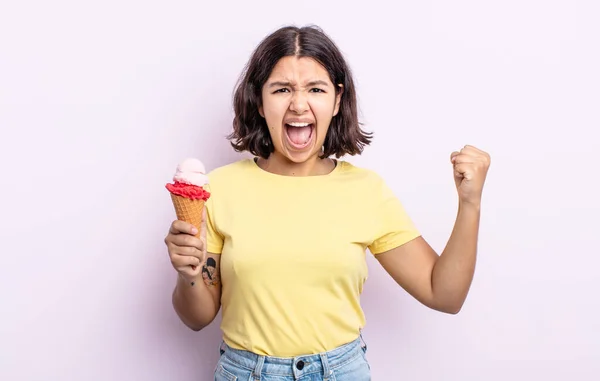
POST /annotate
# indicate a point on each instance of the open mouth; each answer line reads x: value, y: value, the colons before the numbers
x: 299, y: 134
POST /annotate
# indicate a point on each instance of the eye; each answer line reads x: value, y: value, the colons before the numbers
x: 317, y: 90
x: 283, y: 90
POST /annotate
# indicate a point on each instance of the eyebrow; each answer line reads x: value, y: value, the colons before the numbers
x: 288, y: 84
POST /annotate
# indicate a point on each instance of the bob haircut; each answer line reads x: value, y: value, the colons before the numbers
x: 250, y: 131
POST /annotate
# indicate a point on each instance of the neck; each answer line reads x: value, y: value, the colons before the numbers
x: 280, y: 165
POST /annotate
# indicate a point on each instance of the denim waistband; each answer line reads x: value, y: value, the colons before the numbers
x: 321, y: 363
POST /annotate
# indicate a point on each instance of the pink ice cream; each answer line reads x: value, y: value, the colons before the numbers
x: 189, y: 179
x: 191, y: 171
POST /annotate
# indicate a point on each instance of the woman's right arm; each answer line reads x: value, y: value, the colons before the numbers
x: 197, y: 294
x: 197, y: 305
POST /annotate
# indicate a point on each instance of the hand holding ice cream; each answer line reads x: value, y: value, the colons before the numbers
x: 185, y: 239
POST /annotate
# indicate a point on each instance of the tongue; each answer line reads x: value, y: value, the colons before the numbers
x: 299, y: 135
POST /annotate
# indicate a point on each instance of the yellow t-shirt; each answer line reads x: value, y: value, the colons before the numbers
x: 293, y: 253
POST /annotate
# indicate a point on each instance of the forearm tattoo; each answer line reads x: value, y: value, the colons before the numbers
x: 210, y: 273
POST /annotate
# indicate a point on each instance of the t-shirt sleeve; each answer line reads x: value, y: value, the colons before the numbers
x: 394, y: 226
x: 214, y: 240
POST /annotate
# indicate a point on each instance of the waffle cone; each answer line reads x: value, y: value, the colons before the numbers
x: 188, y: 210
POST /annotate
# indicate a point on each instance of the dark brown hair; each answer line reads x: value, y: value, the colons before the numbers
x: 250, y: 131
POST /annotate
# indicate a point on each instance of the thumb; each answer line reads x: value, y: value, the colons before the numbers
x: 203, y: 225
x: 457, y: 175
x: 453, y: 156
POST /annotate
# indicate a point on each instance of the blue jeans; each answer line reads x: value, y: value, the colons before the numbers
x: 345, y: 363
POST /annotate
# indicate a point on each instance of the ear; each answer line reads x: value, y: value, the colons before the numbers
x: 338, y: 99
x: 261, y: 112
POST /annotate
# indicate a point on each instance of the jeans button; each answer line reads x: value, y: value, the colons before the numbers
x: 300, y: 365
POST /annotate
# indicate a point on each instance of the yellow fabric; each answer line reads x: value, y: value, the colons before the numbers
x: 293, y: 253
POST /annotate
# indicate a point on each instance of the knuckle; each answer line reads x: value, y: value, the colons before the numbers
x: 188, y: 240
x: 179, y: 240
x: 182, y: 262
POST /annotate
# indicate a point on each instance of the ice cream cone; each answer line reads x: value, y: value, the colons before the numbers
x: 188, y: 193
x: 188, y: 210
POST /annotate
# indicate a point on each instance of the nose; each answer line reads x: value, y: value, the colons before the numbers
x: 299, y: 103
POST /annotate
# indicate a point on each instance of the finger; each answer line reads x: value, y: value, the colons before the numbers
x: 180, y: 261
x: 185, y: 250
x: 203, y: 228
x: 203, y: 232
x: 177, y: 251
x: 179, y: 227
x: 470, y: 149
x: 464, y: 170
x: 464, y: 158
x: 477, y: 162
x: 189, y: 271
x: 185, y: 240
x: 453, y: 155
x: 476, y: 152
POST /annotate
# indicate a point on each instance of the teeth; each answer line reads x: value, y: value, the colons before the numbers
x: 299, y: 124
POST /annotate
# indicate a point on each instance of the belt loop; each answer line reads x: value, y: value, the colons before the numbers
x: 260, y: 361
x: 364, y: 346
x: 325, y: 363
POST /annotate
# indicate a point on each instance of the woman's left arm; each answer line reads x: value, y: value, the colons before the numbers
x: 442, y: 282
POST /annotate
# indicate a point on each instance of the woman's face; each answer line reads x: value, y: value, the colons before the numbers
x: 299, y: 101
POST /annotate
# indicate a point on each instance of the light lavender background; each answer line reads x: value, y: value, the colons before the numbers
x: 100, y: 99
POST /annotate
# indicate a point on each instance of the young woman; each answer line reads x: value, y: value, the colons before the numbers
x: 286, y: 233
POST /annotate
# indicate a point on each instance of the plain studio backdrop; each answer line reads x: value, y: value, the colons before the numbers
x: 99, y: 100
